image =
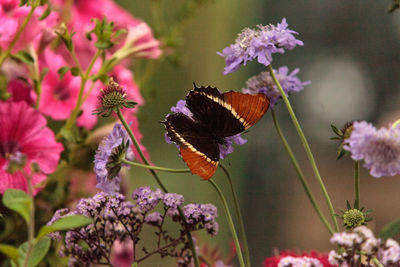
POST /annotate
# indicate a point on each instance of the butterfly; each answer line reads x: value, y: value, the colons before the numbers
x: 215, y: 116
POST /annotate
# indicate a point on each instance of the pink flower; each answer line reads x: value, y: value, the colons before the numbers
x: 24, y: 133
x: 11, y: 18
x: 20, y: 91
x: 58, y: 97
x: 81, y: 22
x: 122, y: 255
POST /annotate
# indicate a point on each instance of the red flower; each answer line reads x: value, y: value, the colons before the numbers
x: 274, y: 261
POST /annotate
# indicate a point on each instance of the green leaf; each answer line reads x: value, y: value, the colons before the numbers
x: 43, y: 73
x: 45, y: 14
x: 10, y: 251
x: 19, y: 201
x: 62, y: 71
x: 39, y: 251
x: 391, y: 229
x: 336, y: 130
x: 24, y: 57
x: 348, y: 205
x: 75, y: 71
x: 23, y: 2
x: 105, y: 44
x: 65, y: 223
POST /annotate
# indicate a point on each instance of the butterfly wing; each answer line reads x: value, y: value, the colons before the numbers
x: 246, y: 108
x: 210, y: 108
x: 198, y: 148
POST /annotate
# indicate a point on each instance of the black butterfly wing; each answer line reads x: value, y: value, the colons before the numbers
x: 198, y: 148
x: 209, y: 108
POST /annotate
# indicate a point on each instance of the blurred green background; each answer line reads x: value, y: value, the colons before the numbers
x: 352, y: 57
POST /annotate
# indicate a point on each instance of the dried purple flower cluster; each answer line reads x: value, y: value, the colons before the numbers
x: 259, y: 44
x: 263, y: 83
x: 361, y: 244
x: 225, y: 149
x: 379, y: 148
x: 118, y: 220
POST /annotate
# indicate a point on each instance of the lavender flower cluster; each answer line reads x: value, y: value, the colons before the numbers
x: 263, y: 83
x: 362, y: 245
x: 259, y: 44
x: 118, y: 220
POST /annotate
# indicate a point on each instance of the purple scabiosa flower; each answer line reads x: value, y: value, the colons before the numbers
x: 224, y: 149
x: 107, y: 161
x: 263, y: 83
x: 380, y: 149
x: 260, y: 44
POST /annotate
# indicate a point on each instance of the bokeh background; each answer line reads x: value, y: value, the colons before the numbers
x: 352, y: 57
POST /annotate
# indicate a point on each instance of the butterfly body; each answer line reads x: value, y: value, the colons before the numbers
x: 215, y: 116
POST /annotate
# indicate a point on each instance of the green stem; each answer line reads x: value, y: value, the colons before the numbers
x: 84, y: 78
x: 36, y: 74
x: 307, y: 148
x: 7, y: 52
x: 132, y: 136
x: 31, y: 223
x: 230, y: 222
x: 300, y: 174
x: 377, y: 262
x: 396, y: 123
x: 242, y: 231
x: 156, y: 168
x: 357, y: 184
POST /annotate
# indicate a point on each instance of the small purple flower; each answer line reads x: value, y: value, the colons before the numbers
x: 380, y: 149
x: 105, y: 181
x: 172, y: 200
x: 146, y: 199
x: 225, y: 149
x: 263, y: 83
x: 154, y: 219
x: 259, y: 44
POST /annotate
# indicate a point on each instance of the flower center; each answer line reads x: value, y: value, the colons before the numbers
x: 387, y: 151
x: 61, y: 93
x: 8, y: 148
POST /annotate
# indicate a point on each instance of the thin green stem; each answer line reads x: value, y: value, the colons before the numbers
x: 136, y: 144
x: 396, y: 123
x: 7, y: 52
x: 300, y: 174
x: 156, y: 168
x: 31, y: 223
x: 36, y: 74
x: 357, y: 184
x: 84, y: 78
x: 307, y: 148
x: 230, y: 222
x: 239, y: 216
x: 377, y: 262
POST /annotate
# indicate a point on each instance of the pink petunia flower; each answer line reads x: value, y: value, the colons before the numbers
x: 20, y: 91
x: 81, y: 22
x: 58, y: 97
x: 11, y: 18
x: 24, y: 133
